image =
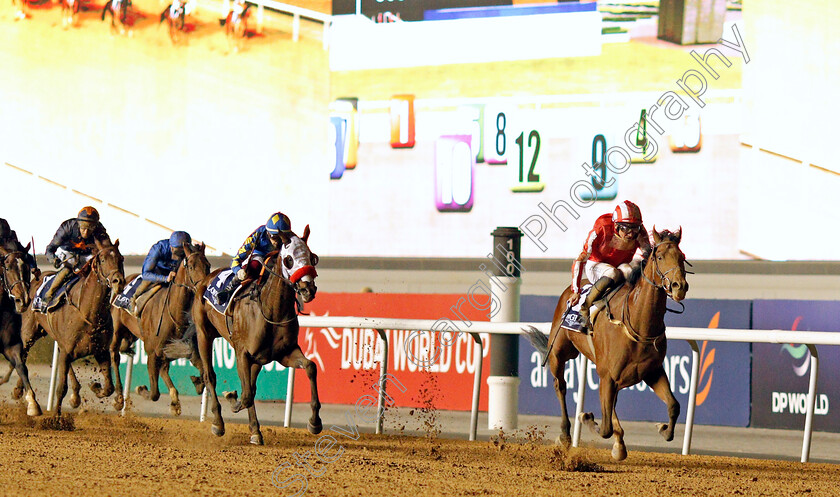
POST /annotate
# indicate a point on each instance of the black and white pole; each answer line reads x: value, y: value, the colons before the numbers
x: 503, y: 382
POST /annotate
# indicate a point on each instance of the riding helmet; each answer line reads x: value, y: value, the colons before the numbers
x: 179, y: 238
x: 627, y: 212
x: 278, y: 222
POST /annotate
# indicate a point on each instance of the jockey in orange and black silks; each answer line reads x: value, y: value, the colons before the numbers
x: 607, y: 253
x: 73, y: 243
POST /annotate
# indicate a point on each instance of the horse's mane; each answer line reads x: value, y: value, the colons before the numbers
x: 664, y: 236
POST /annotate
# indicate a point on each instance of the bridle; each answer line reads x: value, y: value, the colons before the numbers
x: 20, y: 281
x: 664, y: 280
x: 102, y: 278
x: 193, y: 283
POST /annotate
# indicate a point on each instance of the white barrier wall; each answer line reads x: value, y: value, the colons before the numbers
x: 359, y: 43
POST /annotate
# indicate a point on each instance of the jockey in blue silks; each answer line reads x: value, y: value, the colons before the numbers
x: 160, y: 267
x: 248, y: 259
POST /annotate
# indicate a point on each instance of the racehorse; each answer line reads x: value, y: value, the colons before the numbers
x: 261, y: 329
x: 236, y: 25
x: 175, y: 20
x: 164, y: 317
x: 14, y: 278
x: 627, y: 350
x: 70, y: 12
x: 82, y: 326
x: 122, y: 14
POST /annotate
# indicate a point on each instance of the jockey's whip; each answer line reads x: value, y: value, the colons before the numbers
x: 563, y: 318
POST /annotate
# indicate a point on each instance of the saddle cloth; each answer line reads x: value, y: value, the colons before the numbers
x: 39, y: 304
x: 124, y: 298
x: 572, y: 321
x: 214, y: 294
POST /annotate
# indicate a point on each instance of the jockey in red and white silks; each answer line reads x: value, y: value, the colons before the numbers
x: 607, y: 254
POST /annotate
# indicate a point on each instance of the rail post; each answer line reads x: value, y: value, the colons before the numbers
x: 812, y: 397
x: 503, y: 381
x: 129, y: 368
x: 53, y: 378
x: 692, y: 396
x: 290, y: 398
x: 383, y: 371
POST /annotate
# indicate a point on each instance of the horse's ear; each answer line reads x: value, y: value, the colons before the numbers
x: 117, y: 243
x: 201, y: 247
x: 305, y: 236
x: 188, y: 249
x: 26, y: 248
x: 656, y: 237
x: 679, y: 234
x: 285, y: 238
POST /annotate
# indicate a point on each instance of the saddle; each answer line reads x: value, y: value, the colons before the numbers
x: 572, y: 320
x: 39, y: 304
x: 221, y: 297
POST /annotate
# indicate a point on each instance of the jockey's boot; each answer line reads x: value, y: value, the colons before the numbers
x: 140, y: 297
x: 596, y: 292
x: 60, y: 277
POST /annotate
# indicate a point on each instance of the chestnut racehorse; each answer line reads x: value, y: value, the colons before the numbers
x: 628, y: 348
x: 82, y: 326
x: 261, y: 328
x: 14, y: 285
x: 165, y: 317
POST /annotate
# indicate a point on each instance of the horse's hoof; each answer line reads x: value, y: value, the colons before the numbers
x: 563, y: 440
x: 175, y: 409
x: 33, y: 410
x: 619, y: 452
x: 119, y: 402
x: 667, y: 434
x: 75, y: 400
x: 218, y: 430
x: 230, y: 395
x: 314, y: 428
x: 257, y: 439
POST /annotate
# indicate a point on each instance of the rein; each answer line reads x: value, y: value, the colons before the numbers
x: 283, y: 280
x: 190, y: 288
x: 101, y: 279
x: 625, y: 323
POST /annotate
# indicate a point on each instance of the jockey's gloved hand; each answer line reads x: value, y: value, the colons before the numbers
x: 241, y: 275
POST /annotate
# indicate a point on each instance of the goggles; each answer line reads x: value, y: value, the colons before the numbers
x: 630, y: 228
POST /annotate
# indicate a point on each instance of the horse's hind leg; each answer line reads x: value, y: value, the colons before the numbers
x: 243, y: 368
x: 6, y: 377
x: 174, y: 401
x: 205, y: 350
x: 297, y: 360
x: 561, y: 352
x: 103, y: 359
x: 658, y: 381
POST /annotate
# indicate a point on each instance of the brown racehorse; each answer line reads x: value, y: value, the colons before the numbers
x: 82, y: 326
x: 628, y: 349
x: 263, y: 328
x: 14, y: 279
x: 165, y: 317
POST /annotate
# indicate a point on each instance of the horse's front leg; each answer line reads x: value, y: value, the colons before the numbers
x: 103, y: 358
x: 243, y: 368
x: 607, y: 392
x: 174, y: 400
x: 253, y: 422
x: 658, y: 381
x: 619, y: 450
x: 75, y: 388
x: 205, y: 351
x: 296, y: 359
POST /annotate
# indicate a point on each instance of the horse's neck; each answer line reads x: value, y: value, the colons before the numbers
x: 647, y: 310
x: 93, y: 295
x: 180, y: 293
x: 278, y: 299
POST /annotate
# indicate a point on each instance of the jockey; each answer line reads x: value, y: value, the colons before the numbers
x: 72, y: 245
x: 251, y: 254
x: 607, y: 254
x: 9, y: 241
x: 160, y: 266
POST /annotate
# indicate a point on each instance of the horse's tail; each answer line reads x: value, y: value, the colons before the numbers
x: 105, y: 9
x: 184, y: 347
x: 537, y: 338
x: 163, y: 14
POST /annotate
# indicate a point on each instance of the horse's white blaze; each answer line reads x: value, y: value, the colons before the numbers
x: 297, y: 249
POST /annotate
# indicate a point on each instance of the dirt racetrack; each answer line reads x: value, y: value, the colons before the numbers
x: 104, y: 454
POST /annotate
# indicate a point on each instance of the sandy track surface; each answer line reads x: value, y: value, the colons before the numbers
x: 104, y: 454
